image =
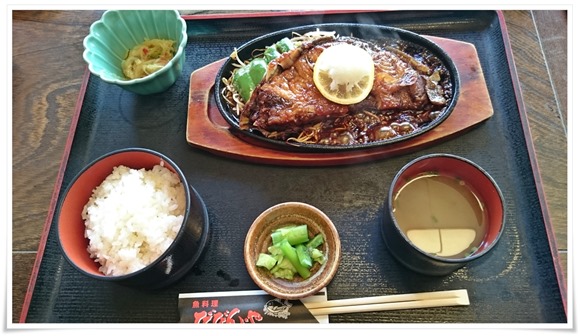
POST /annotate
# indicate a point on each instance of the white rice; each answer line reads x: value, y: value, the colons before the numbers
x: 133, y: 217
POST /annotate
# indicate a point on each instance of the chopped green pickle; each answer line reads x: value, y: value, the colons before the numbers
x: 316, y: 241
x: 266, y: 260
x: 284, y: 270
x: 294, y: 234
x: 303, y: 256
x: 317, y: 255
x: 292, y: 252
x: 275, y: 250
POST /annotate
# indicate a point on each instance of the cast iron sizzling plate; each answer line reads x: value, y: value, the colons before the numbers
x: 362, y: 31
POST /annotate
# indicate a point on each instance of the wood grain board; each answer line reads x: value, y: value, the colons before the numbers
x: 207, y: 130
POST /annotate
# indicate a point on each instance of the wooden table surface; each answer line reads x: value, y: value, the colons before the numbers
x: 48, y: 69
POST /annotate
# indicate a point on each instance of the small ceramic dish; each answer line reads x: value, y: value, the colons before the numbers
x: 442, y: 212
x: 118, y: 31
x: 171, y: 265
x: 258, y: 239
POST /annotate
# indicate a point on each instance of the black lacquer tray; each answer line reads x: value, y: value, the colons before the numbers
x: 517, y: 283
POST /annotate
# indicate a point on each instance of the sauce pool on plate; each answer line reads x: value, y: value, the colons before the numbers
x: 441, y: 215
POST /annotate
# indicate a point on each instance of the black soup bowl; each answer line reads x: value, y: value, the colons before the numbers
x: 441, y: 213
x: 367, y: 32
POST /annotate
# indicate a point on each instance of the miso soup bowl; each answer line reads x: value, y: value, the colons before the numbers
x: 173, y: 264
x: 470, y: 175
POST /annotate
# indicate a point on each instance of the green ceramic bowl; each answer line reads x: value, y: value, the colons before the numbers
x: 118, y: 31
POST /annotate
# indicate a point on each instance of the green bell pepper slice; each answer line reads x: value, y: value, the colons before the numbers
x: 249, y: 76
x: 243, y: 82
x: 284, y: 45
x: 258, y: 68
x: 271, y: 53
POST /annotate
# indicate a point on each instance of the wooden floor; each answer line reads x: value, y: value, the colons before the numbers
x: 545, y: 35
x: 544, y: 31
x: 551, y: 27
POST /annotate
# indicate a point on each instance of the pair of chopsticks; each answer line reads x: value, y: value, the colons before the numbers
x: 390, y: 302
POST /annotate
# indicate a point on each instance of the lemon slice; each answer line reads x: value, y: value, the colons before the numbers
x: 344, y: 73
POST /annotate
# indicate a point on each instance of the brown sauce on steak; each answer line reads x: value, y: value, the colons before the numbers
x: 411, y: 89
